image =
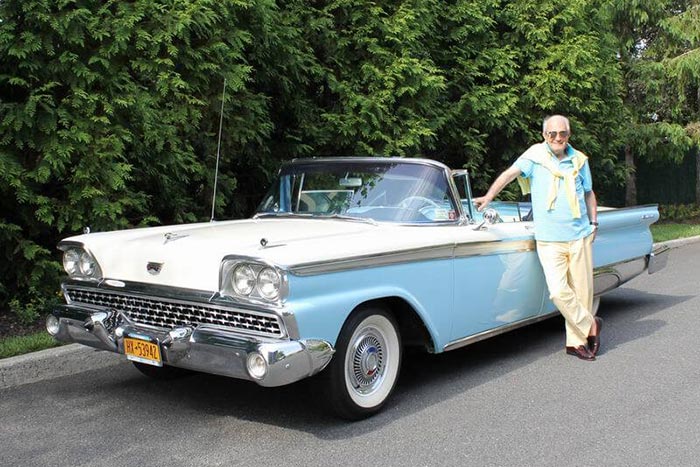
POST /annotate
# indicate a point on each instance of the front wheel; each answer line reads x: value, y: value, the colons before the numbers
x: 366, y: 364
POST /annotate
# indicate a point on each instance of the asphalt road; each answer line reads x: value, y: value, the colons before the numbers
x: 513, y: 400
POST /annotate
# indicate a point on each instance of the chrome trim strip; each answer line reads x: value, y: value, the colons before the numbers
x: 605, y: 212
x: 445, y: 251
x: 372, y: 160
x: 373, y: 260
x: 464, y: 341
x: 464, y: 250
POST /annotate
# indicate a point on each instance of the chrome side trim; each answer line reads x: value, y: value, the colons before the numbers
x: 464, y: 250
x: 374, y: 260
x: 464, y: 341
x: 445, y: 251
x: 609, y: 210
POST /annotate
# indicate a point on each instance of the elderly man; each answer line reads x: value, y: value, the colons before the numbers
x: 564, y: 207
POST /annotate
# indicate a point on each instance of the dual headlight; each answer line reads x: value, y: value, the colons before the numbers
x: 244, y: 279
x: 80, y: 264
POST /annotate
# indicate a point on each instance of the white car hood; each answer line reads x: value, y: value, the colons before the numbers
x: 191, y: 254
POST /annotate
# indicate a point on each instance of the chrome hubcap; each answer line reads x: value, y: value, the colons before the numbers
x: 367, y: 365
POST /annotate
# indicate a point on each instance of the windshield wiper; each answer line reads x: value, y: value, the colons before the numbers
x: 259, y: 215
x: 364, y: 220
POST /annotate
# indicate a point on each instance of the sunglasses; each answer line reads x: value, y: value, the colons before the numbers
x: 553, y: 134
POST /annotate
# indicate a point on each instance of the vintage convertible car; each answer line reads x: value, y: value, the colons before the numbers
x: 347, y: 261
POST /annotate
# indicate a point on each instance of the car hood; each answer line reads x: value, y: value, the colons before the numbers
x: 190, y: 255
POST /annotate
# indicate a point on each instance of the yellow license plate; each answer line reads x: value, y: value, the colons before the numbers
x: 142, y: 351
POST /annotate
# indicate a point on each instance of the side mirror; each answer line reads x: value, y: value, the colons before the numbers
x: 491, y: 217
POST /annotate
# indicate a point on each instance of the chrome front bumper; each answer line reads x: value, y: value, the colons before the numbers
x: 205, y: 348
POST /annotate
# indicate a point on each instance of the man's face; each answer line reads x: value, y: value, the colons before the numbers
x: 557, y: 135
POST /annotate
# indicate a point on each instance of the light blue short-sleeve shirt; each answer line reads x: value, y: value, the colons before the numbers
x: 558, y: 224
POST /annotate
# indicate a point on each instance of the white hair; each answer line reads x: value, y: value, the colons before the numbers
x: 546, y: 119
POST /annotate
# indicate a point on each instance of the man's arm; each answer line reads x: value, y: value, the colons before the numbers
x: 501, y: 182
x: 592, y: 208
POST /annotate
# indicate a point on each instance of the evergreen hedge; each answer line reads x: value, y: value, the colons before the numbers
x: 109, y: 109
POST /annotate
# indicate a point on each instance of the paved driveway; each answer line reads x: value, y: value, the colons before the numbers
x: 513, y: 400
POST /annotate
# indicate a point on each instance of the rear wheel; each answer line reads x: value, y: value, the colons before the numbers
x: 366, y: 364
x: 162, y: 373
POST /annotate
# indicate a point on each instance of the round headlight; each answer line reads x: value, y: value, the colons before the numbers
x: 243, y: 279
x: 269, y: 283
x: 71, y: 259
x: 257, y: 366
x: 87, y: 264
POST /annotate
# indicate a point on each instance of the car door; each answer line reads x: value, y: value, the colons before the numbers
x: 498, y: 279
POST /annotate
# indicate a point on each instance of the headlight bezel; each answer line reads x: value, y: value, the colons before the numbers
x: 79, y: 262
x: 258, y: 294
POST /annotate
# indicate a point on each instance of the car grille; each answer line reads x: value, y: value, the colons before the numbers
x: 166, y: 313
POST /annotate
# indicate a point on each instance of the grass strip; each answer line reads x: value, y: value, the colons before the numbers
x: 11, y: 346
x: 666, y: 232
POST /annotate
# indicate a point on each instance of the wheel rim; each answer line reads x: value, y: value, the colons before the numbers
x: 372, y: 361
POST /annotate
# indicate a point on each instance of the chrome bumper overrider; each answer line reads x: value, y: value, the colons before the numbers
x: 658, y: 258
x: 204, y: 348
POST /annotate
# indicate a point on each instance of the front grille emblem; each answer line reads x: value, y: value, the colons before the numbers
x: 154, y: 268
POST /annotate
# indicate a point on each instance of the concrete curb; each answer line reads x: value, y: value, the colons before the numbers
x: 76, y: 358
x: 53, y: 363
x: 680, y: 242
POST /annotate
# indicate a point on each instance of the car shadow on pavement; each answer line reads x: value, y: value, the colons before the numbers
x: 425, y: 379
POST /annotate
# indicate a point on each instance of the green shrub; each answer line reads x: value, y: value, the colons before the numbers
x: 679, y: 213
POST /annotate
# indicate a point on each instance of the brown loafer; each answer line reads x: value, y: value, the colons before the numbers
x: 594, y: 341
x: 582, y: 352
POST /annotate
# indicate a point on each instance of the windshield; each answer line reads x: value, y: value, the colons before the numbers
x: 384, y: 192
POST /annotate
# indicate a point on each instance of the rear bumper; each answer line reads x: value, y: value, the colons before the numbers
x: 658, y: 258
x: 610, y: 277
x: 204, y: 348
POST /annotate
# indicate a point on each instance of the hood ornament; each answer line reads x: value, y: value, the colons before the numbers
x: 172, y: 236
x: 154, y: 268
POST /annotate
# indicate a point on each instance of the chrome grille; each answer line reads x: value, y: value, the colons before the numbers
x: 166, y: 313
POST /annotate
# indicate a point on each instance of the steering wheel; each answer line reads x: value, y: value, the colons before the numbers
x: 406, y: 202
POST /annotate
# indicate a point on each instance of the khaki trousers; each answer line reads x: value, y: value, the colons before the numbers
x: 568, y: 270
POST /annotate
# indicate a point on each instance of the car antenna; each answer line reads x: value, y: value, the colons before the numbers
x: 218, y: 152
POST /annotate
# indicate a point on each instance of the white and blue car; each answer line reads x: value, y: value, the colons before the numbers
x: 347, y: 261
